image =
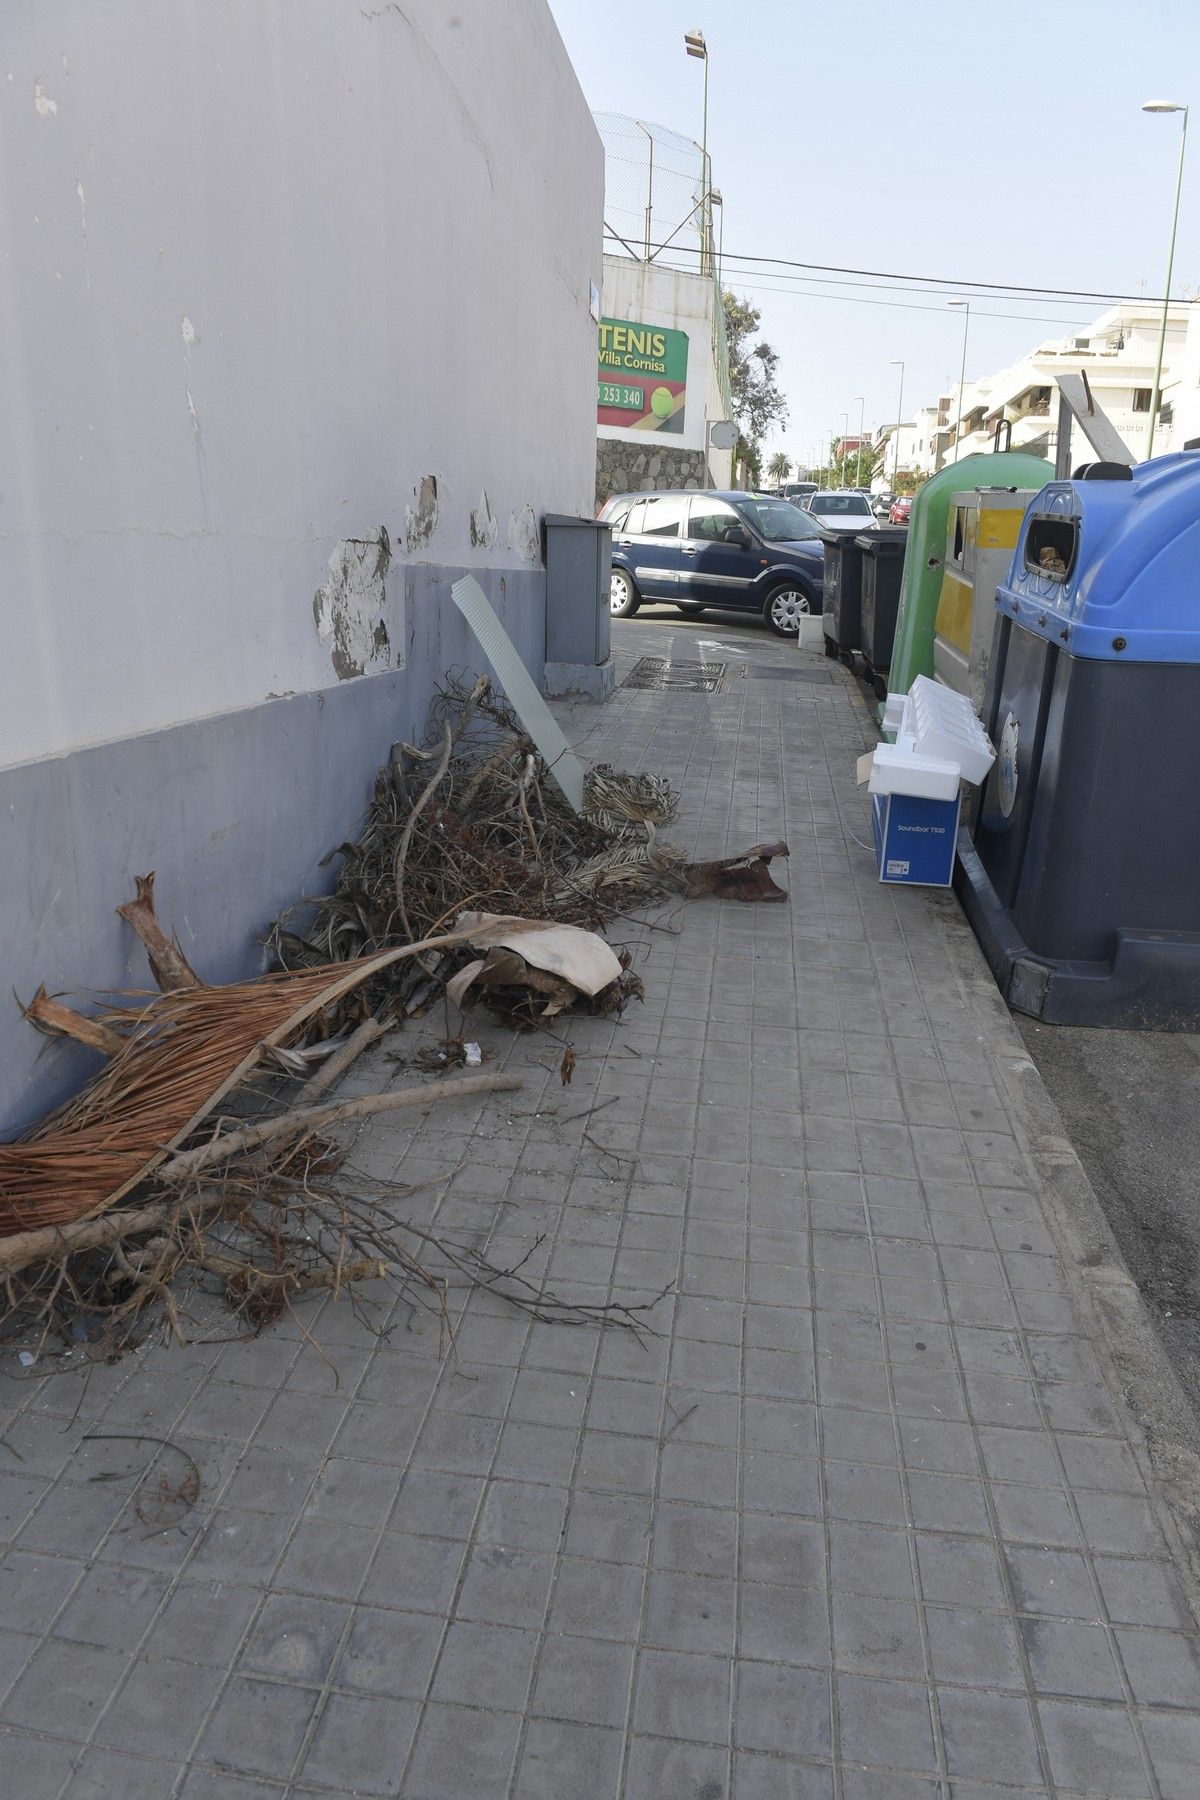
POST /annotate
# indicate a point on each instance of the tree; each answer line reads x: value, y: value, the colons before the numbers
x: 779, y: 467
x: 757, y: 401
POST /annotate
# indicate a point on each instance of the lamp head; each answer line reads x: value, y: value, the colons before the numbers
x: 695, y: 45
x: 1164, y: 106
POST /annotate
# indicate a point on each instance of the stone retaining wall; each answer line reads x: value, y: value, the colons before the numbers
x: 623, y: 468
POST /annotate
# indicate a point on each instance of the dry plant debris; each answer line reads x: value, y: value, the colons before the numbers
x: 120, y: 1205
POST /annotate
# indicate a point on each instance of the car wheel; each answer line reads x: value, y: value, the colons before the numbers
x: 623, y: 597
x: 783, y: 607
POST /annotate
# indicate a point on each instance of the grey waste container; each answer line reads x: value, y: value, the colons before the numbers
x: 578, y: 555
x: 1081, y: 876
x: 842, y: 593
x: 883, y: 565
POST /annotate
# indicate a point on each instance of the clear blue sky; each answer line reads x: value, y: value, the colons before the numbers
x: 998, y: 142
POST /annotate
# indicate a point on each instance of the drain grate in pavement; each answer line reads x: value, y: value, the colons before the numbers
x: 660, y: 674
x: 824, y: 676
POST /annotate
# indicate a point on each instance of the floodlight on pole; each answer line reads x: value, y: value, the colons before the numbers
x: 962, y: 373
x: 1166, y: 106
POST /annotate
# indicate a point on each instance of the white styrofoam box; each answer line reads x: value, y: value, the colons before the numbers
x: 899, y: 770
x: 893, y: 712
x: 943, y: 725
x: 812, y: 632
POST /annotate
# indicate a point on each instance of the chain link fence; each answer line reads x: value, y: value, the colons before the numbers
x: 654, y: 192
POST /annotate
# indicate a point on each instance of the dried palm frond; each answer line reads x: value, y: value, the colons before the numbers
x: 189, y: 1048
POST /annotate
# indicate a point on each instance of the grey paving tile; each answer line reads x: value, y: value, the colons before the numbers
x: 295, y: 1638
x: 258, y: 1726
x: 1173, y: 1740
x: 784, y: 1624
x: 107, y: 1772
x: 388, y: 1651
x: 597, y: 1599
x: 1068, y: 1656
x: 1143, y: 1593
x: 1163, y: 1666
x: 661, y: 1767
x: 760, y: 1777
x: 569, y: 1762
x: 88, y: 1675
x: 986, y: 1732
x: 461, y: 1753
x: 1093, y: 1748
x: 690, y: 1612
x: 886, y: 1723
x: 360, y: 1744
x: 784, y: 1711
x: 873, y: 1636
x: 1053, y: 1583
x: 973, y: 1649
x: 33, y: 1767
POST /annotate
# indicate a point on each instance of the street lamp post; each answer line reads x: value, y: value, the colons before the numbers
x: 1166, y: 106
x: 899, y: 419
x: 962, y: 373
x: 862, y: 419
x: 694, y: 44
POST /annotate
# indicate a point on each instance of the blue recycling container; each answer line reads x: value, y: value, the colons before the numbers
x: 1081, y: 873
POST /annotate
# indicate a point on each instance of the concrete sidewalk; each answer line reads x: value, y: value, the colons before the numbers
x: 872, y: 1516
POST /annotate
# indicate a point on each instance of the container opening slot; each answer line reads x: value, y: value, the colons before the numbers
x: 1051, y: 547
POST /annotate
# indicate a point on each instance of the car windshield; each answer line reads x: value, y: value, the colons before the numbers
x: 839, y: 503
x: 777, y: 520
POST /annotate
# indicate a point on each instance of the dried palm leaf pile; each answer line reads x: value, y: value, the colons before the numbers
x: 187, y: 1163
x: 479, y: 821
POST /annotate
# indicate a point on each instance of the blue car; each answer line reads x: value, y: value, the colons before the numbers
x: 724, y: 549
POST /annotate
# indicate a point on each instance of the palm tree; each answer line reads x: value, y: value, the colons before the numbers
x: 779, y: 468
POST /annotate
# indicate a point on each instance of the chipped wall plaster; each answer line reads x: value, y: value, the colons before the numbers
x: 364, y: 634
x: 420, y: 521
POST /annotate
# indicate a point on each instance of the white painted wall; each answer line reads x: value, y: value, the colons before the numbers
x: 267, y: 264
x: 654, y: 295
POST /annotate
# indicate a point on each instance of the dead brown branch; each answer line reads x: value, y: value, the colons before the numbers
x: 304, y: 1120
x: 331, y: 1072
x: 168, y: 964
x: 55, y: 1020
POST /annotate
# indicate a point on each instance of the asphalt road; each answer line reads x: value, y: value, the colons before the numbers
x: 1131, y: 1103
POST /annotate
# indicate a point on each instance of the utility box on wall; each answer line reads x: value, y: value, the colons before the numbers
x: 578, y: 555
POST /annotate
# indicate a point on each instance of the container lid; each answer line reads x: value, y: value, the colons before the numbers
x: 1107, y: 568
x: 884, y: 537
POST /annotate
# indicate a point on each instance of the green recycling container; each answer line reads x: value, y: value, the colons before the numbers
x: 921, y: 586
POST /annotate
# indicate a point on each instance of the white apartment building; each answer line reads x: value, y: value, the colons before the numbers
x: 1117, y: 354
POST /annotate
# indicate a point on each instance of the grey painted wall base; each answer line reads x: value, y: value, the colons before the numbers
x: 234, y: 813
x: 595, y: 681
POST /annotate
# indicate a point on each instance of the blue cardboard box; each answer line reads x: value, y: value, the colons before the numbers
x: 915, y: 838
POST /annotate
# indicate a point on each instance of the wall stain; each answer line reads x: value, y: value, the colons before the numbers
x: 349, y: 607
x: 484, y: 529
x: 524, y: 538
x: 420, y: 521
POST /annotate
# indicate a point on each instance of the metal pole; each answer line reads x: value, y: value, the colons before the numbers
x: 1162, y: 332
x: 962, y: 376
x: 899, y: 419
x: 649, y: 194
x: 862, y: 419
x: 706, y: 215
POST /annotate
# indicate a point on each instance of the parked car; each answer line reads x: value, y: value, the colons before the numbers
x: 900, y: 511
x: 881, y: 505
x: 796, y: 490
x: 717, y: 548
x: 841, y: 509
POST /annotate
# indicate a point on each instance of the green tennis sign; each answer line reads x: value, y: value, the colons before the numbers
x: 643, y: 376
